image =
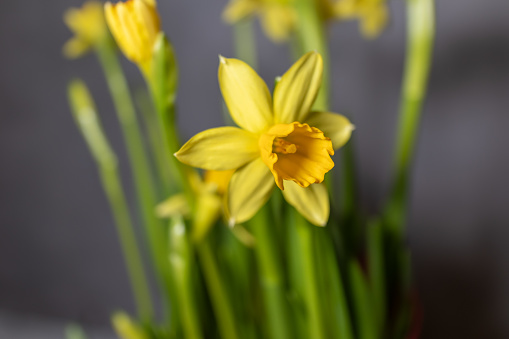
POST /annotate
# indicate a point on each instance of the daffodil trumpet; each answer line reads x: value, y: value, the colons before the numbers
x: 280, y: 141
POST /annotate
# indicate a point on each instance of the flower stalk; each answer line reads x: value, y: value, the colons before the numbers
x: 420, y: 36
x: 163, y: 86
x: 311, y: 37
x: 143, y: 180
x: 182, y: 263
x: 216, y: 288
x: 245, y: 42
x: 86, y: 118
x: 271, y: 277
x: 306, y: 238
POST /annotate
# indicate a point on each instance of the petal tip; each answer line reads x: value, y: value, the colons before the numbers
x: 322, y: 224
x: 222, y: 59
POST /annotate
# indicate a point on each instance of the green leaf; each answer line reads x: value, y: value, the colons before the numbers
x: 363, y: 309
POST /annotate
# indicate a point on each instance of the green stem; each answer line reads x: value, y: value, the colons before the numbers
x: 271, y: 272
x: 86, y: 118
x: 181, y: 260
x: 348, y: 192
x: 151, y: 124
x: 112, y: 186
x: 311, y: 37
x: 377, y: 273
x: 143, y: 179
x: 306, y: 237
x: 220, y: 300
x: 162, y: 83
x: 74, y: 331
x: 340, y: 319
x: 245, y: 43
x: 420, y: 36
x: 362, y: 303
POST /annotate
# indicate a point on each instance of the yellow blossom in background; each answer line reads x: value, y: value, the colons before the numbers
x: 135, y: 25
x: 208, y: 193
x: 126, y: 328
x: 278, y: 17
x: 219, y: 179
x: 373, y: 14
x: 89, y: 28
x: 280, y: 142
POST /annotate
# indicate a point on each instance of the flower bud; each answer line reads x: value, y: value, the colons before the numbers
x: 135, y: 26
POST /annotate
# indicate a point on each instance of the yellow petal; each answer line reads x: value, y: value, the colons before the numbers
x: 239, y: 9
x: 346, y: 9
x: 246, y: 95
x: 249, y: 189
x: 122, y: 36
x: 278, y: 21
x: 75, y: 47
x: 374, y: 20
x: 222, y: 148
x: 334, y: 126
x: 135, y: 25
x: 127, y: 16
x: 296, y: 91
x: 148, y: 23
x: 312, y: 202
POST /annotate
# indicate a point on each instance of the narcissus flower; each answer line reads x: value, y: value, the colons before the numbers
x: 278, y: 17
x: 372, y: 14
x: 279, y: 142
x: 208, y: 194
x: 89, y: 28
x: 135, y: 25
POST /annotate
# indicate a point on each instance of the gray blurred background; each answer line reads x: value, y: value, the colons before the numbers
x: 59, y: 257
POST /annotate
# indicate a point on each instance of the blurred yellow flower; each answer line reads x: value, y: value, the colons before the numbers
x: 278, y: 17
x: 280, y: 140
x: 135, y: 25
x: 126, y: 328
x: 208, y: 193
x: 373, y: 14
x: 89, y: 28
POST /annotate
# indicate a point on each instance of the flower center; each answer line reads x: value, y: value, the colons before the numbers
x: 282, y: 146
x: 296, y: 152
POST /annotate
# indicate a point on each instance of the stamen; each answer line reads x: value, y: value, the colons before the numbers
x: 282, y: 146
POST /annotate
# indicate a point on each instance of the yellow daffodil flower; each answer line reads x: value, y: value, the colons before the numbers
x: 126, y: 328
x: 280, y: 142
x: 89, y: 28
x: 277, y: 17
x: 208, y: 192
x: 373, y: 14
x: 135, y: 25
